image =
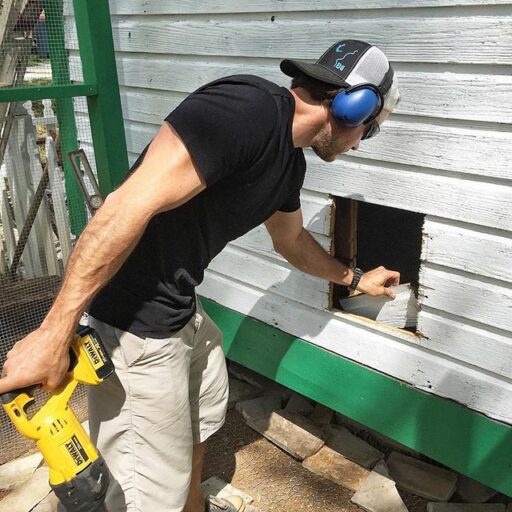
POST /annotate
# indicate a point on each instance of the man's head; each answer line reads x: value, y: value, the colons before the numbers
x: 339, y: 74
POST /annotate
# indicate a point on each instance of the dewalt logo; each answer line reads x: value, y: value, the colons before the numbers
x: 93, y: 354
x: 76, y: 451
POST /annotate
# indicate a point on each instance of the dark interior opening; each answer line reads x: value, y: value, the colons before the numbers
x: 369, y: 235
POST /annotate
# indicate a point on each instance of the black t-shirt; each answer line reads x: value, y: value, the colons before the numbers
x: 239, y: 132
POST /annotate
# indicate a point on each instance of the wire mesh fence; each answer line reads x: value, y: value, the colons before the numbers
x: 42, y: 210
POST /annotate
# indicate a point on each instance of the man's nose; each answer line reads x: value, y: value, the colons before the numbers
x: 356, y: 146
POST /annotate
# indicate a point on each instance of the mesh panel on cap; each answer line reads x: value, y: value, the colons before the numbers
x: 371, y: 68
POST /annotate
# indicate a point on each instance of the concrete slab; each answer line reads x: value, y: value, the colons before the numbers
x: 471, y: 491
x: 352, y: 447
x: 421, y: 478
x: 240, y: 391
x: 299, y: 404
x: 15, y: 472
x: 378, y: 493
x: 322, y: 415
x: 330, y: 464
x: 465, y: 507
x: 49, y: 504
x: 293, y: 433
x: 29, y: 494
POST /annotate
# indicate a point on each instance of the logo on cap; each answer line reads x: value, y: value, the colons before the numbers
x: 339, y: 65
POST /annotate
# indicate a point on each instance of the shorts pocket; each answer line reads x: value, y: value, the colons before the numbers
x: 132, y: 347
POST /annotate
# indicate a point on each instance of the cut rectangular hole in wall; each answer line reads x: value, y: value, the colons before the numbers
x: 368, y: 236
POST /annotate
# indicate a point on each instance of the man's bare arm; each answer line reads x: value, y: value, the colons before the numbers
x: 299, y: 247
x: 166, y: 178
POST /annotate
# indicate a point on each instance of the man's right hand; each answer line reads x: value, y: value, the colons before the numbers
x: 42, y: 357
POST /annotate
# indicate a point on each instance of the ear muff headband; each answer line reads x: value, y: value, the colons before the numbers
x: 357, y: 105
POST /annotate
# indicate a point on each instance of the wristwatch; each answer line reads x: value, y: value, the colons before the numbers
x: 358, y: 273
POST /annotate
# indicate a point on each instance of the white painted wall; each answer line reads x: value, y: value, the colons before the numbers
x: 446, y: 152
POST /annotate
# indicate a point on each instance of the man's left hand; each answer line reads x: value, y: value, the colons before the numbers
x: 378, y: 281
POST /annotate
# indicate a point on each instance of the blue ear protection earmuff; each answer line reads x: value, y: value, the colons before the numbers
x: 357, y: 105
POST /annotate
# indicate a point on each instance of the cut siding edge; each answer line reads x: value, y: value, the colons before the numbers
x: 387, y: 353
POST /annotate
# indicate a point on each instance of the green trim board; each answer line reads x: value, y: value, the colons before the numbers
x: 439, y: 428
x: 64, y: 110
x: 47, y: 91
x: 96, y: 46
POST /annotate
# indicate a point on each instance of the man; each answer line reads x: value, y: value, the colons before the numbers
x: 227, y: 159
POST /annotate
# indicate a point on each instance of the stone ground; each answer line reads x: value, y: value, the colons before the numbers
x: 276, y: 481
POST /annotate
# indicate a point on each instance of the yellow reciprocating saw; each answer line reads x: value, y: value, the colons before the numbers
x: 78, y: 473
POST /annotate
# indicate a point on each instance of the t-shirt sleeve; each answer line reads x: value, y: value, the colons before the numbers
x: 292, y: 204
x: 225, y: 126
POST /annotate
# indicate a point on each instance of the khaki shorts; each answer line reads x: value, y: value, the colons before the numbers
x: 166, y: 396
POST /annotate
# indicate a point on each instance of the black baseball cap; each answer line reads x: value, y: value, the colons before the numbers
x: 346, y: 63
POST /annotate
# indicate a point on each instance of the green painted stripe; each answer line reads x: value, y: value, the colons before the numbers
x: 18, y: 94
x: 441, y: 429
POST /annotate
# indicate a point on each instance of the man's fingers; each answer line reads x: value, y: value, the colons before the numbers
x: 390, y: 293
x: 6, y: 385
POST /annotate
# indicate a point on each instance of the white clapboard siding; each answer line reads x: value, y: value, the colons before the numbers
x: 487, y: 204
x: 268, y: 274
x: 429, y: 35
x: 475, y: 344
x: 484, y: 152
x: 476, y: 298
x: 382, y: 351
x: 469, y: 248
x: 426, y: 90
x: 258, y: 241
x: 409, y: 188
x: 231, y: 6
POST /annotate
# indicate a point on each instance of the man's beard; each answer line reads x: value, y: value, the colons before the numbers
x: 323, y: 146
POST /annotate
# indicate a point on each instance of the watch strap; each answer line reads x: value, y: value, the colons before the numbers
x: 358, y: 273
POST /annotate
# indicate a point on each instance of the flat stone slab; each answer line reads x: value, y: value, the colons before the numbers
x: 15, y: 472
x: 322, y: 415
x: 293, y: 433
x: 49, y: 504
x: 330, y: 464
x: 259, y: 407
x: 352, y: 447
x: 465, y: 507
x: 29, y: 494
x: 299, y: 405
x: 421, y: 478
x: 215, y: 486
x: 378, y: 493
x: 240, y: 391
x: 471, y: 491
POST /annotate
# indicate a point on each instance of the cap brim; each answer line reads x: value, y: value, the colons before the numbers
x: 294, y: 67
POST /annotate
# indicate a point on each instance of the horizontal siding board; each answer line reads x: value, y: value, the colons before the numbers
x: 451, y: 197
x: 466, y: 150
x: 389, y: 354
x: 118, y: 7
x: 436, y: 93
x: 455, y: 338
x: 429, y: 39
x: 482, y: 301
x: 464, y: 248
x: 485, y: 204
x: 271, y: 276
x: 258, y: 241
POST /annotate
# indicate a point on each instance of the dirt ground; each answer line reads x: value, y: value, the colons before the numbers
x: 276, y: 481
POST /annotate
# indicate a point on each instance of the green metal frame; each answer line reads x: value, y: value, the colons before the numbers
x: 101, y: 88
x: 441, y: 429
